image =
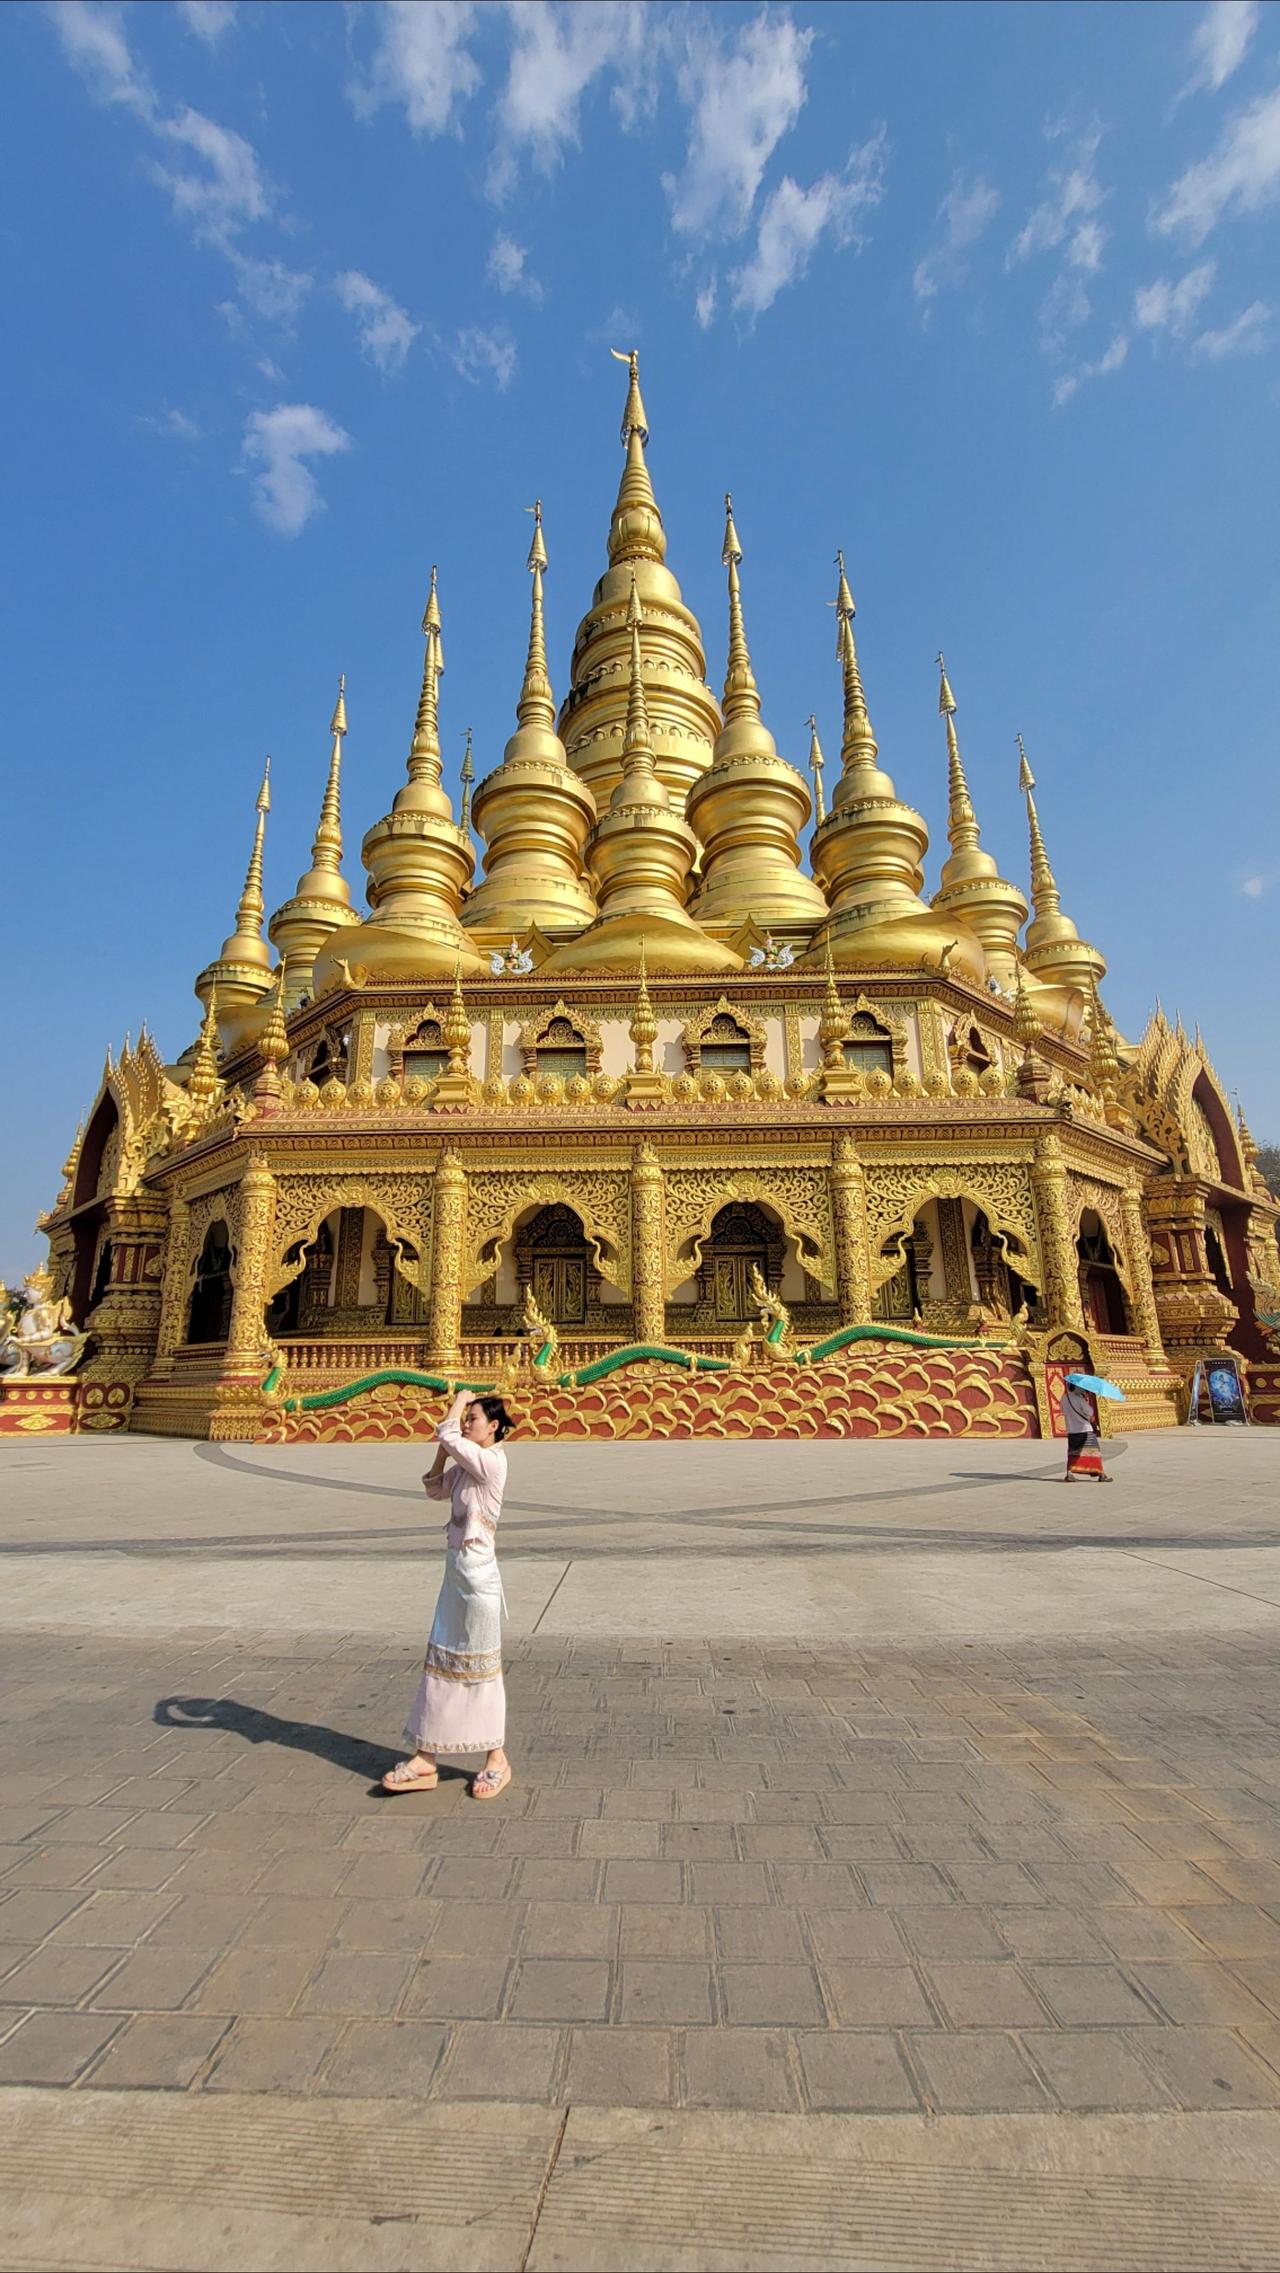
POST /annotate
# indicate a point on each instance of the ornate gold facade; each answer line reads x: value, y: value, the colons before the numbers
x: 657, y: 1087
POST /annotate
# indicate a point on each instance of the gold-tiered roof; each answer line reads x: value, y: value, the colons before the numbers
x: 971, y: 886
x: 684, y: 719
x: 869, y: 851
x: 641, y: 853
x: 322, y: 903
x: 534, y: 814
x: 750, y: 806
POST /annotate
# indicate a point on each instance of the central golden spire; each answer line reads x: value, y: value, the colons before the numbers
x: 424, y: 793
x: 868, y: 852
x: 751, y: 806
x: 684, y: 718
x: 641, y: 854
x: 322, y: 903
x: 534, y: 815
x: 971, y: 886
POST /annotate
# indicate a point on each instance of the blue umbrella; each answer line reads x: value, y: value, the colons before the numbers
x: 1099, y: 1387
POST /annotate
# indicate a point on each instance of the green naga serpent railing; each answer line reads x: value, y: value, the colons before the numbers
x: 582, y: 1377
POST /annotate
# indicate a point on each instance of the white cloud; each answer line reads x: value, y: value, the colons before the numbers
x: 173, y: 423
x: 1219, y: 41
x: 275, y: 444
x: 704, y: 306
x: 1241, y: 175
x: 229, y: 192
x: 508, y: 270
x: 93, y: 40
x: 743, y: 98
x: 421, y: 60
x: 479, y: 354
x: 208, y: 19
x: 1253, y: 887
x: 556, y: 53
x: 387, y: 332
x: 1064, y: 219
x: 966, y: 211
x: 1111, y: 360
x: 1246, y: 335
x: 1172, y: 307
x: 273, y: 290
x: 793, y: 220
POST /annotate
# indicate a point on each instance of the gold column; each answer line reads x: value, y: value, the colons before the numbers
x: 448, y: 1229
x: 255, y: 1216
x: 175, y: 1286
x: 849, y: 1222
x: 1057, y: 1247
x: 648, y: 1287
x: 1144, y: 1298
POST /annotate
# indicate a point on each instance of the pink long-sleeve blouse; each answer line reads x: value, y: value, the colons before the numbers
x: 475, y: 1483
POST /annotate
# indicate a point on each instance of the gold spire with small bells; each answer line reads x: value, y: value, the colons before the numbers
x: 593, y: 715
x: 867, y: 854
x: 1054, y: 953
x: 641, y: 854
x: 971, y: 886
x: 534, y: 814
x: 322, y: 903
x: 750, y: 806
x: 419, y: 862
x: 241, y: 971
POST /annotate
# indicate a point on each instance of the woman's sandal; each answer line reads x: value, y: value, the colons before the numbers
x: 491, y: 1781
x: 397, y: 1780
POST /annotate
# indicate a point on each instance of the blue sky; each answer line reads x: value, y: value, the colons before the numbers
x: 302, y: 299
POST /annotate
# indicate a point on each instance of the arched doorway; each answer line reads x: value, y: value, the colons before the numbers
x: 742, y: 1239
x: 554, y: 1260
x: 345, y: 1280
x: 209, y: 1317
x: 1100, y: 1289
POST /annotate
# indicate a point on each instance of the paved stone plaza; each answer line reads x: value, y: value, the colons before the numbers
x: 891, y: 1873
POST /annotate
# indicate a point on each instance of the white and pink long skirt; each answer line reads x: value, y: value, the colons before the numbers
x: 461, y: 1705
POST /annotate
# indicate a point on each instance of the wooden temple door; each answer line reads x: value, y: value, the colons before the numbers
x: 559, y: 1262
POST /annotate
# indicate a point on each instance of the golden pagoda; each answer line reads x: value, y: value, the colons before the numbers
x: 694, y: 1113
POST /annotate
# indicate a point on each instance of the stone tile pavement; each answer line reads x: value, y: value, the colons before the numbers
x: 726, y: 1877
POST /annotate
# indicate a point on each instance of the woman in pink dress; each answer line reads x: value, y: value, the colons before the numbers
x: 461, y: 1705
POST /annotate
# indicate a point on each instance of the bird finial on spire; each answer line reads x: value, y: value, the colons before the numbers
x: 633, y: 417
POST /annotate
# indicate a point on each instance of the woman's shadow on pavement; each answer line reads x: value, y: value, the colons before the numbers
x: 227, y: 1714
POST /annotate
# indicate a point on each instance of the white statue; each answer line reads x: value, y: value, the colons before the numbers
x: 45, y: 1338
x: 772, y: 957
x: 511, y: 962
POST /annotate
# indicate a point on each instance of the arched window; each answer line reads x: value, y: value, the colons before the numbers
x: 561, y: 1049
x: 328, y: 1060
x: 868, y: 1045
x: 966, y: 1048
x: 426, y: 1054
x: 726, y: 1046
x: 102, y: 1274
x: 1100, y: 1286
x: 210, y: 1314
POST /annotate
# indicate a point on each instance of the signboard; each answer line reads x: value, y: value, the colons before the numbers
x: 1226, y: 1392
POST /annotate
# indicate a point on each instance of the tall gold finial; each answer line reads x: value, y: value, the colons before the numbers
x: 741, y: 695
x: 424, y: 755
x: 962, y: 821
x: 816, y: 764
x: 644, y: 1026
x: 326, y: 851
x: 253, y: 907
x: 633, y: 417
x: 637, y: 742
x: 466, y: 777
x: 833, y: 1024
x: 1044, y: 888
x: 273, y: 1042
x: 204, y: 1083
x: 636, y: 531
x: 456, y: 1029
x: 858, y: 745
x: 536, y: 706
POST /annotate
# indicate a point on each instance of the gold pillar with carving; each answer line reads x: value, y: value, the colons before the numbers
x: 849, y: 1222
x: 1061, y: 1290
x: 448, y: 1230
x: 648, y: 1288
x: 1139, y: 1260
x: 175, y: 1290
x: 236, y: 1415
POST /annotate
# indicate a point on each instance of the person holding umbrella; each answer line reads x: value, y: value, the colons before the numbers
x: 1078, y: 1406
